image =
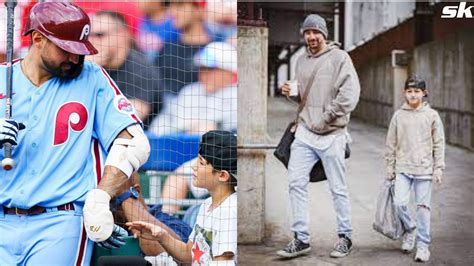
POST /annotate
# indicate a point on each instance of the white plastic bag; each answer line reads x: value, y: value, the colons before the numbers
x: 387, y: 221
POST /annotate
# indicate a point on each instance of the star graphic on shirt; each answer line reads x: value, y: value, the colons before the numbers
x: 197, y: 253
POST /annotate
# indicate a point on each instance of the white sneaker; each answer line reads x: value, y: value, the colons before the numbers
x: 408, y: 241
x: 422, y: 254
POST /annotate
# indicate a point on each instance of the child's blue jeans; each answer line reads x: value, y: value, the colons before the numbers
x: 422, y: 188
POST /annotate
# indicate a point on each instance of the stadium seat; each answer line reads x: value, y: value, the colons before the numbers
x: 170, y: 151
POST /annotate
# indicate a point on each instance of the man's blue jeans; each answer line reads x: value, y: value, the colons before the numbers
x: 302, y: 159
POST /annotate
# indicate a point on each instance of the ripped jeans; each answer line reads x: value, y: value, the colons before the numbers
x: 422, y: 188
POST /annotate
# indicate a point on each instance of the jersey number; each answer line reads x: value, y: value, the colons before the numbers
x: 72, y: 114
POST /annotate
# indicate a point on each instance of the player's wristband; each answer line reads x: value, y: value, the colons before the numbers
x: 131, y: 193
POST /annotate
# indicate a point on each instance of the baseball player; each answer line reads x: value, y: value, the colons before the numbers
x: 82, y: 141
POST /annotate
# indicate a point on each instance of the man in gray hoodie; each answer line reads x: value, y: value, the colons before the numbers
x: 321, y: 133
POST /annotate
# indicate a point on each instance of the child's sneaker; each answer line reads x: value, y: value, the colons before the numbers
x: 295, y: 248
x: 408, y: 241
x: 343, y: 247
x: 422, y: 254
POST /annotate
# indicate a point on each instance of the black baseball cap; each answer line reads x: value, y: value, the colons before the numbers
x: 415, y: 82
x: 219, y: 148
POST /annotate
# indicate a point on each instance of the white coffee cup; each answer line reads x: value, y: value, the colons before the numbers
x: 293, y: 84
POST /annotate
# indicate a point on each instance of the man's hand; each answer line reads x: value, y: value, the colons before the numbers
x: 9, y: 131
x: 320, y: 125
x: 438, y: 176
x: 116, y: 240
x: 285, y: 89
x: 143, y: 229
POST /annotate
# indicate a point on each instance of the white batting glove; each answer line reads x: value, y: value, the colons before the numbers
x: 98, y: 219
x: 9, y: 131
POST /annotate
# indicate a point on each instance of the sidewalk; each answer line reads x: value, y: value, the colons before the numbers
x: 452, y: 206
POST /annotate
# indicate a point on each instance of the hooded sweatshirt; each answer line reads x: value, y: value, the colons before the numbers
x: 334, y: 93
x: 415, y: 141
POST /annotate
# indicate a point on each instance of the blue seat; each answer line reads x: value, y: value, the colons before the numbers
x: 170, y: 151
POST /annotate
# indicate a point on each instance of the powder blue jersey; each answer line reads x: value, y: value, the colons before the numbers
x: 69, y: 125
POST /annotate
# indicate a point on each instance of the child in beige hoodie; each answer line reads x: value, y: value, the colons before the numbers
x: 415, y: 156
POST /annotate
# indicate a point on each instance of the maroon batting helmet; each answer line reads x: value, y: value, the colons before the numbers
x: 64, y: 24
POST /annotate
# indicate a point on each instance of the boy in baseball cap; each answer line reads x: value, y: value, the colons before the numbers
x: 214, y: 236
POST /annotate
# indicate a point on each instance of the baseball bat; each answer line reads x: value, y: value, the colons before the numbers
x: 8, y: 163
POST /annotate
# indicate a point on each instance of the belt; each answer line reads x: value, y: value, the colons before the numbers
x: 35, y: 210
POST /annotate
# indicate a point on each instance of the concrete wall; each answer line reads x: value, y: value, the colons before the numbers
x: 252, y: 129
x: 376, y: 100
x: 364, y: 20
x: 447, y: 66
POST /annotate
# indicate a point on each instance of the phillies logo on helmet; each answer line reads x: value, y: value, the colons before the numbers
x: 123, y: 105
x: 85, y: 32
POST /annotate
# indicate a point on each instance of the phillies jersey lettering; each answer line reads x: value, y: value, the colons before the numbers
x: 69, y: 125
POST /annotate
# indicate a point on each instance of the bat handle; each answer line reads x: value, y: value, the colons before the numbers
x: 7, y: 162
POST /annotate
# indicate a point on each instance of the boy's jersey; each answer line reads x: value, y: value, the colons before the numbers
x: 215, y: 231
x: 69, y: 125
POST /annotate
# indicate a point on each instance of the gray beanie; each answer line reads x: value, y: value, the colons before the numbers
x: 315, y: 22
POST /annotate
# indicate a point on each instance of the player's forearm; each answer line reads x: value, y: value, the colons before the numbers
x: 112, y: 180
x: 177, y: 249
x: 150, y: 247
x: 135, y: 211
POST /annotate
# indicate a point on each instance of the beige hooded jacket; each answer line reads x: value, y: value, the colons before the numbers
x: 334, y: 93
x: 415, y: 141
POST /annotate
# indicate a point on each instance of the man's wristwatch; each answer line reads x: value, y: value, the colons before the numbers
x: 131, y: 193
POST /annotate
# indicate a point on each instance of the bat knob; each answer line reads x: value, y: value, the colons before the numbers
x: 8, y: 164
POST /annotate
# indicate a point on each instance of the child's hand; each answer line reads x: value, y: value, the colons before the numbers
x: 391, y: 176
x: 146, y: 229
x: 438, y: 176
